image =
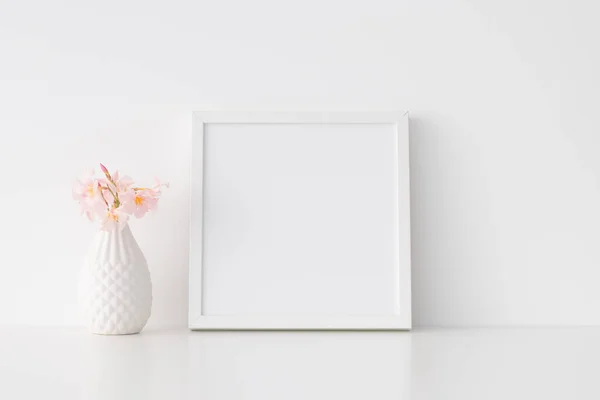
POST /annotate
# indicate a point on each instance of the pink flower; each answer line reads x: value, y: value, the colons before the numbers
x: 114, y: 218
x: 84, y: 188
x: 104, y: 170
x: 139, y: 201
x: 113, y: 198
x: 89, y: 195
x: 123, y: 183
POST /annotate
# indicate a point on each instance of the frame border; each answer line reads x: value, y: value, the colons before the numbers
x: 196, y: 319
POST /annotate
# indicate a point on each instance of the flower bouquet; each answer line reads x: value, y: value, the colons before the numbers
x: 113, y: 198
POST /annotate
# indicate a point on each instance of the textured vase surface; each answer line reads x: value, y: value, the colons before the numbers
x: 115, y: 290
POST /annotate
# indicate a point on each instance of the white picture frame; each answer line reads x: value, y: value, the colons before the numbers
x: 343, y: 243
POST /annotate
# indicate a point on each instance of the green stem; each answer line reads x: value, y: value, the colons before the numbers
x: 116, y: 203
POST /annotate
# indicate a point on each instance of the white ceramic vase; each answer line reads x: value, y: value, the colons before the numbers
x: 115, y: 290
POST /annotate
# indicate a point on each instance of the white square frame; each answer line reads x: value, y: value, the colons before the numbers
x: 399, y: 321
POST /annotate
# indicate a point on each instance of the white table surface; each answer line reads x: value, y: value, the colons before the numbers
x: 69, y: 363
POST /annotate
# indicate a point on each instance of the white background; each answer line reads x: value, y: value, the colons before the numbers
x: 503, y: 99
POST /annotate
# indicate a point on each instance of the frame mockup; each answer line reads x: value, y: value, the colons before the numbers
x: 300, y: 221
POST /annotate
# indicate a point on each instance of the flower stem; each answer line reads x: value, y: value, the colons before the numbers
x: 116, y: 203
x: 102, y: 195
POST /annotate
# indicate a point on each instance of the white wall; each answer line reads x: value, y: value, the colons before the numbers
x: 503, y: 99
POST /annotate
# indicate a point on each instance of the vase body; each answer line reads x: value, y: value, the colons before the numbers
x: 115, y: 290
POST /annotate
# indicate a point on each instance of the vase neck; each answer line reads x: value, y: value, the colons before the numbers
x: 117, y: 245
x: 116, y: 235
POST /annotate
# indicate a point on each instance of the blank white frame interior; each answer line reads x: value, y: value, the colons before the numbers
x: 300, y: 220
